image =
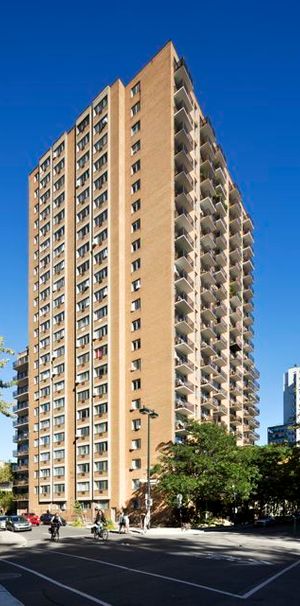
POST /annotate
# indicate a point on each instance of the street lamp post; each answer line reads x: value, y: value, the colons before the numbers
x: 151, y: 414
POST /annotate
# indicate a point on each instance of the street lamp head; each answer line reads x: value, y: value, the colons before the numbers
x: 149, y: 411
x: 154, y: 415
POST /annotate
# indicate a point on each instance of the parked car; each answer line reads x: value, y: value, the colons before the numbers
x: 265, y: 521
x: 33, y: 518
x: 17, y: 524
x: 3, y: 522
x: 47, y: 517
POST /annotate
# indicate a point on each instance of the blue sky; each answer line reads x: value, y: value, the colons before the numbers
x: 244, y: 58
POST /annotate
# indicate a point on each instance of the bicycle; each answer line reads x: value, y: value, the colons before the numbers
x: 100, y: 532
x: 54, y: 534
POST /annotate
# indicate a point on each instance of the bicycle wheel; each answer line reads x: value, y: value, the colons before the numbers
x: 96, y: 535
x: 104, y: 534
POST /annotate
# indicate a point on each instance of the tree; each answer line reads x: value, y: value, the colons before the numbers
x: 5, y: 406
x: 208, y: 467
x: 6, y: 474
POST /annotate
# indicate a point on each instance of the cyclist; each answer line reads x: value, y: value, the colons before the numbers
x: 55, y: 525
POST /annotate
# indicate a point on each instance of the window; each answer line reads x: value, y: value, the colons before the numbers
x: 98, y: 184
x: 101, y: 466
x: 136, y: 464
x: 100, y: 162
x: 59, y: 454
x: 101, y: 125
x: 83, y: 124
x: 135, y: 265
x: 101, y: 256
x: 59, y: 488
x: 101, y: 447
x: 83, y: 178
x: 101, y: 390
x: 83, y: 450
x: 59, y: 167
x: 101, y: 485
x: 83, y: 142
x: 100, y: 200
x: 83, y: 268
x: 100, y: 144
x: 136, y: 225
x: 100, y: 219
x: 45, y: 407
x: 82, y: 250
x: 83, y: 232
x: 58, y: 284
x: 83, y: 214
x: 45, y: 164
x: 101, y: 371
x: 45, y: 196
x: 136, y: 324
x: 135, y: 206
x: 135, y: 108
x: 135, y: 128
x: 59, y: 471
x: 83, y: 359
x: 136, y: 245
x: 135, y: 484
x: 83, y: 395
x: 136, y: 364
x: 136, y: 304
x: 136, y: 344
x: 135, y: 285
x: 83, y: 160
x: 100, y: 106
x: 100, y: 352
x: 135, y: 444
x: 59, y: 217
x: 83, y: 468
x: 101, y: 275
x: 83, y: 195
x: 100, y: 238
x: 83, y: 486
x: 84, y: 431
x: 101, y: 294
x: 135, y: 167
x: 100, y: 428
x: 59, y: 403
x: 83, y: 414
x: 59, y: 150
x: 83, y: 376
x: 136, y: 186
x: 84, y: 304
x: 58, y: 250
x: 136, y: 89
x: 135, y: 147
x: 136, y: 384
x: 59, y: 386
x: 136, y: 404
x: 58, y: 234
x: 59, y: 183
x: 100, y: 313
x: 59, y: 318
x: 82, y: 341
x: 83, y: 286
x: 59, y: 420
x: 101, y: 409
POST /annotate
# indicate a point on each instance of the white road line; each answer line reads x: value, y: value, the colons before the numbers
x: 152, y: 574
x: 270, y: 580
x: 7, y: 599
x: 42, y: 576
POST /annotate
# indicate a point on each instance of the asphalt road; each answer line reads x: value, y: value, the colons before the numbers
x: 226, y: 568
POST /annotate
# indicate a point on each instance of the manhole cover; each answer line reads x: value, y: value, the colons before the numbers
x: 5, y: 576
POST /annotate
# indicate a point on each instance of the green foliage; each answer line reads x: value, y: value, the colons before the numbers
x: 6, y: 501
x: 207, y: 467
x: 6, y: 474
x: 5, y: 407
x: 78, y: 523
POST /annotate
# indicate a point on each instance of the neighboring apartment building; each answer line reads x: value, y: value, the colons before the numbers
x: 140, y: 290
x: 21, y: 437
x: 286, y: 433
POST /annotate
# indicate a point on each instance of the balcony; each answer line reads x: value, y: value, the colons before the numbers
x: 183, y: 344
x: 248, y: 267
x: 207, y: 347
x: 220, y: 175
x: 21, y: 391
x: 207, y: 206
x: 183, y: 120
x: 183, y: 261
x: 20, y: 362
x: 207, y: 151
x: 207, y: 296
x: 184, y: 406
x: 183, y: 281
x: 207, y: 132
x: 183, y: 158
x: 183, y: 199
x: 247, y: 253
x: 207, y: 278
x: 220, y: 292
x: 183, y: 303
x: 207, y: 223
x: 207, y: 188
x: 235, y: 270
x: 207, y: 385
x: 221, y: 326
x: 180, y: 426
x: 221, y: 207
x: 183, y: 179
x: 20, y: 421
x: 207, y: 241
x: 20, y: 406
x: 220, y: 343
x: 221, y: 242
x: 248, y: 293
x: 182, y: 386
x: 235, y: 225
x: 220, y: 257
x: 207, y: 314
x: 184, y: 240
x: 222, y: 410
x: 183, y: 365
x: 183, y: 221
x: 235, y: 241
x: 184, y: 324
x: 207, y: 260
x: 209, y: 402
x: 182, y: 97
x: 220, y: 225
x: 220, y: 275
x: 248, y: 238
x: 182, y: 76
x: 235, y: 255
x: 183, y: 137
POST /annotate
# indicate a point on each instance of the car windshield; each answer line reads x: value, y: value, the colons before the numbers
x: 18, y: 519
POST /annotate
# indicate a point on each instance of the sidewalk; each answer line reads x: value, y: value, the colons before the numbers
x: 8, y: 538
x: 166, y: 532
